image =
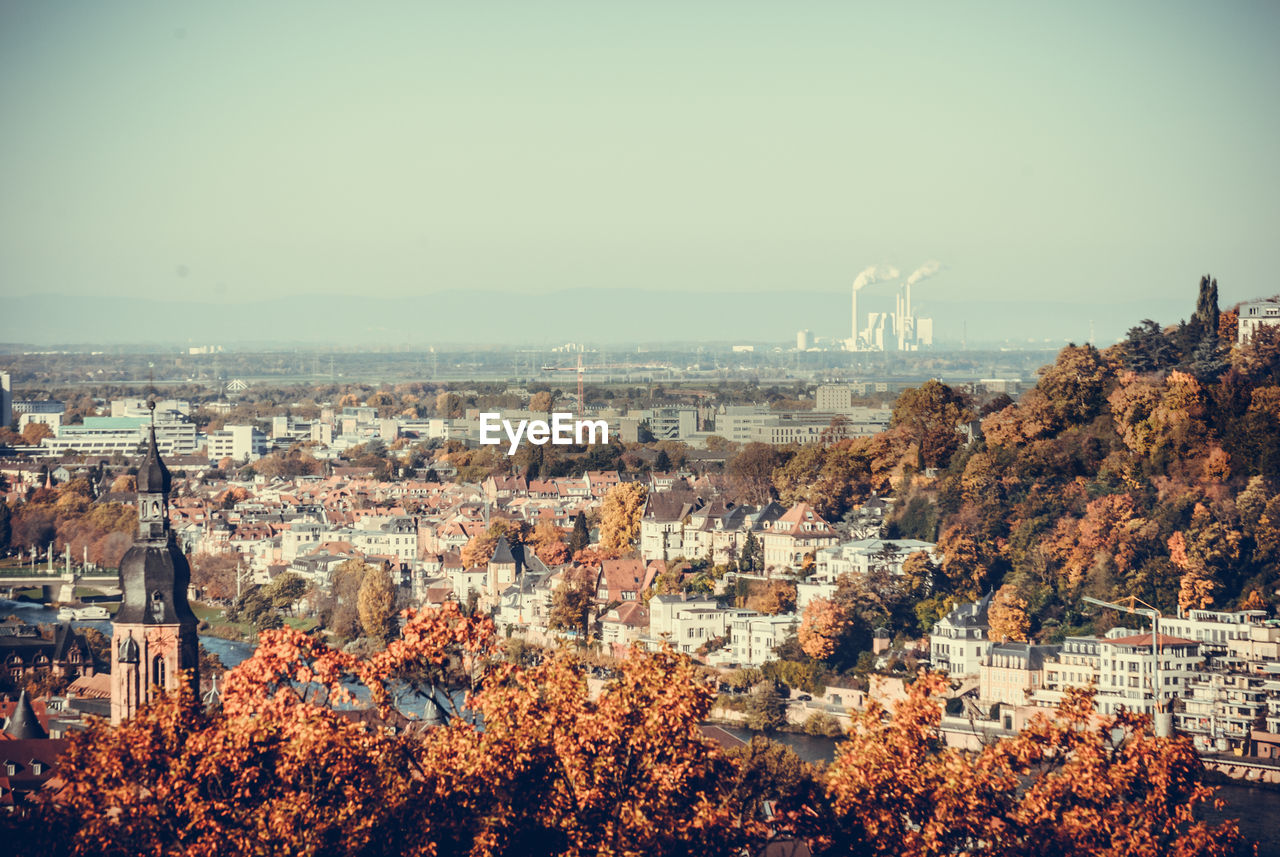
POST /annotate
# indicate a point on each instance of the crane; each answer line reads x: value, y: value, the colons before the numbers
x: 1162, y: 721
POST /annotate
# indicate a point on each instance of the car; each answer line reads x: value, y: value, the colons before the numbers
x: 804, y: 697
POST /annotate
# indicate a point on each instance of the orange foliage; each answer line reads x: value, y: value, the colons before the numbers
x: 1060, y: 787
x: 820, y: 628
x: 1008, y: 615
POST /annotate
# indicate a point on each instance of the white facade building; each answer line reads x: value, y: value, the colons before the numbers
x: 239, y: 443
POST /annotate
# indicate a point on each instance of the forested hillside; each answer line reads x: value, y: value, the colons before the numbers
x: 1146, y: 469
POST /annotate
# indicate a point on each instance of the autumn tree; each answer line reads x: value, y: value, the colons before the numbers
x: 1075, y: 385
x: 1065, y: 786
x: 773, y: 598
x: 214, y: 575
x: 573, y: 600
x: 548, y: 543
x: 750, y: 471
x: 931, y: 416
x: 620, y: 514
x: 376, y: 603
x: 821, y: 626
x: 1008, y: 615
x: 343, y: 609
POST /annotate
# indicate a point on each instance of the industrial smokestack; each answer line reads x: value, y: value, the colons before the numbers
x: 866, y: 277
x: 854, y: 340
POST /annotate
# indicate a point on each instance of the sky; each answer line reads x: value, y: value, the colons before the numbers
x: 1091, y: 152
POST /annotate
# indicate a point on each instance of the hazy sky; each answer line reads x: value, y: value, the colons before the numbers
x: 237, y: 149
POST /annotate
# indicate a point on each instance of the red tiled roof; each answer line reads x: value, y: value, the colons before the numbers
x: 1145, y: 640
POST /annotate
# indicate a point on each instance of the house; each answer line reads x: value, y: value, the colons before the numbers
x: 754, y: 638
x: 1012, y: 671
x: 620, y: 580
x: 793, y: 535
x: 960, y: 640
x: 624, y: 625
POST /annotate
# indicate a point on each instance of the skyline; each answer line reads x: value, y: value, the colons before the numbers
x: 1085, y: 155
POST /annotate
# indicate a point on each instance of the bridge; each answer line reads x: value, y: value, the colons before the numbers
x: 59, y: 585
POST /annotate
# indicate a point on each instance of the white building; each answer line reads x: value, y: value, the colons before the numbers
x: 1254, y: 315
x: 1213, y: 629
x: 754, y: 638
x: 124, y: 435
x: 960, y: 640
x: 862, y: 556
x: 239, y: 443
x: 1120, y: 666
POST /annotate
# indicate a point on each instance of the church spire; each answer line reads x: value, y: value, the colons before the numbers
x: 154, y: 629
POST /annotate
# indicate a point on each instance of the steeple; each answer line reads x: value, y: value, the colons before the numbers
x: 23, y: 723
x: 154, y: 630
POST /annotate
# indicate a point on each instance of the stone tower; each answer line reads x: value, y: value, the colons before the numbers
x: 154, y: 639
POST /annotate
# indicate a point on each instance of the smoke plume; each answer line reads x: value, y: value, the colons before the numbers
x: 875, y: 274
x: 924, y: 272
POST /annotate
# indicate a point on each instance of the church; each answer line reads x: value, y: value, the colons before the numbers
x: 154, y: 639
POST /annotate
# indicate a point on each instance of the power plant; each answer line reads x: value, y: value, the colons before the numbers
x: 899, y: 330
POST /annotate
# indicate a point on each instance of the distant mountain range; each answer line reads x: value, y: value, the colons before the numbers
x: 578, y: 315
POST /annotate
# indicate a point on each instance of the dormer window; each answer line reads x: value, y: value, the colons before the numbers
x: 157, y: 605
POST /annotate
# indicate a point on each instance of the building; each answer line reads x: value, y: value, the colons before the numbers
x: 1011, y: 672
x: 960, y: 640
x: 1254, y: 315
x: 154, y: 631
x: 754, y: 638
x: 788, y: 539
x: 862, y: 556
x: 239, y: 443
x: 123, y: 435
x: 6, y: 400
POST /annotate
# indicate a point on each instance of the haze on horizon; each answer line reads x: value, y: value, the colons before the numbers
x: 1091, y: 152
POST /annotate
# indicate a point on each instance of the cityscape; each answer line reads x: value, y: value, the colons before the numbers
x: 583, y: 430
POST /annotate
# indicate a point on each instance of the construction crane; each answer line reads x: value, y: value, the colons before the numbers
x: 1162, y: 721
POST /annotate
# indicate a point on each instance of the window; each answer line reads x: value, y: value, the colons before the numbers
x: 158, y: 671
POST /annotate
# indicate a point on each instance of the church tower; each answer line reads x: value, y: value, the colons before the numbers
x: 154, y: 637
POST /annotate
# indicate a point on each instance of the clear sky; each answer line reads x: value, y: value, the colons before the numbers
x: 1089, y: 151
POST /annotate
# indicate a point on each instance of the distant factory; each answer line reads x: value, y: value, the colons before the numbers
x: 899, y: 330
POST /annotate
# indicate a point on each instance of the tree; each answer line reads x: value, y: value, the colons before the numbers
x: 931, y: 416
x: 344, y: 613
x: 620, y: 514
x: 773, y: 598
x: 751, y: 471
x: 766, y: 709
x: 6, y: 528
x: 1064, y: 786
x: 376, y: 603
x: 573, y: 601
x: 821, y: 626
x: 214, y: 575
x: 752, y: 556
x: 580, y: 538
x: 285, y: 590
x: 1075, y: 385
x: 548, y: 543
x: 542, y: 402
x: 33, y: 433
x: 1008, y: 615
